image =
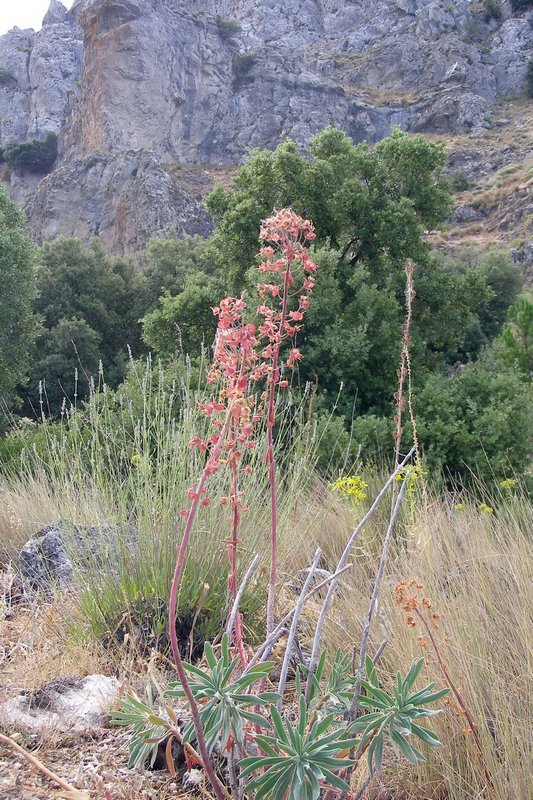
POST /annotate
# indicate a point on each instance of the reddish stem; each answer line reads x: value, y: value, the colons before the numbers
x: 456, y: 693
x: 218, y: 788
x: 271, y: 461
x: 233, y: 547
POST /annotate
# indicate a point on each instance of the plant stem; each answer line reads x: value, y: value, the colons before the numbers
x: 294, y: 626
x: 75, y: 793
x: 354, y: 708
x: 340, y: 566
x: 456, y: 693
x: 234, y: 543
x: 218, y: 788
x: 280, y: 629
x: 270, y: 458
x: 235, y: 609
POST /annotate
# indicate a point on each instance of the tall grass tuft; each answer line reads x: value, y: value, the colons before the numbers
x: 123, y: 463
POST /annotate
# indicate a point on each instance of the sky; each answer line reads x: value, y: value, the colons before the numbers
x: 24, y: 13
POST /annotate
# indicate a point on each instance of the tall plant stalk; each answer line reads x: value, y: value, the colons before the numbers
x: 270, y: 456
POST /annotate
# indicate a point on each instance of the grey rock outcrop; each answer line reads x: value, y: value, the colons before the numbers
x: 47, y: 559
x: 138, y: 85
x: 64, y: 704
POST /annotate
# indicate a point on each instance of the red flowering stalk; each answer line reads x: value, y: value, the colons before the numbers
x: 287, y: 262
x: 237, y: 364
x: 233, y: 416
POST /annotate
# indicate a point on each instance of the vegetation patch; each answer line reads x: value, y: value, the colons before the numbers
x: 35, y: 155
x: 242, y: 66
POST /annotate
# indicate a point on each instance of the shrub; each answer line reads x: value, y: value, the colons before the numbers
x: 529, y: 78
x: 492, y: 9
x: 241, y: 68
x: 520, y: 5
x: 227, y: 28
x: 459, y: 181
x: 32, y: 156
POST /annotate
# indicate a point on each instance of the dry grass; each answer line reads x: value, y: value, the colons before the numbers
x: 475, y: 567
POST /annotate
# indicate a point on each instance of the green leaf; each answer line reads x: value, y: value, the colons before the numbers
x: 422, y: 698
x: 427, y: 736
x: 414, y: 672
x: 410, y: 753
x: 379, y: 694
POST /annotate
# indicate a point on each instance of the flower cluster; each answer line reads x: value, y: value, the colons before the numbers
x: 286, y: 297
x: 352, y: 486
x: 245, y: 355
x: 407, y: 596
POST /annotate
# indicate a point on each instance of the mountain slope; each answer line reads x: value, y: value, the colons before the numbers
x: 136, y: 87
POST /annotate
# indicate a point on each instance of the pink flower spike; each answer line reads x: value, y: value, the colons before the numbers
x: 184, y: 512
x: 206, y: 501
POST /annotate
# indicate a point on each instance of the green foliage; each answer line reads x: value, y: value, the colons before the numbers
x: 370, y: 207
x: 19, y: 325
x: 504, y: 279
x: 182, y: 324
x: 226, y: 706
x: 32, y: 156
x: 459, y: 181
x: 298, y: 758
x: 529, y: 78
x: 227, y: 28
x: 88, y: 303
x: 391, y: 715
x: 167, y: 264
x: 520, y: 5
x: 515, y: 344
x: 369, y: 204
x: 241, y: 66
x: 479, y: 422
x: 492, y: 9
x: 298, y: 755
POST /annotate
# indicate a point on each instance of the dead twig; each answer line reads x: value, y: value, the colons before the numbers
x: 69, y: 792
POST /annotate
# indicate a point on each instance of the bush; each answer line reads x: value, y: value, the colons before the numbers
x: 492, y: 9
x: 459, y: 181
x: 32, y: 156
x: 529, y: 78
x: 478, y: 423
x: 227, y: 28
x: 521, y: 5
x: 241, y: 68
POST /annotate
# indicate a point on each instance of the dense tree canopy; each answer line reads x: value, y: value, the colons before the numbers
x: 88, y: 303
x: 18, y: 322
x: 370, y: 204
x: 371, y: 207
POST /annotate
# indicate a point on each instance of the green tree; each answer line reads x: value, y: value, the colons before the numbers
x: 68, y: 361
x: 167, y: 264
x: 18, y: 323
x: 88, y: 303
x: 369, y: 204
x: 32, y: 156
x: 515, y: 344
x: 479, y: 422
x: 183, y: 323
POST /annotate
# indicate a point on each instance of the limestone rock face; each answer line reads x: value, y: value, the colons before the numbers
x: 136, y: 86
x: 65, y: 704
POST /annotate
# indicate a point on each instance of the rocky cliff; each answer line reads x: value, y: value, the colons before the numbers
x: 152, y: 98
